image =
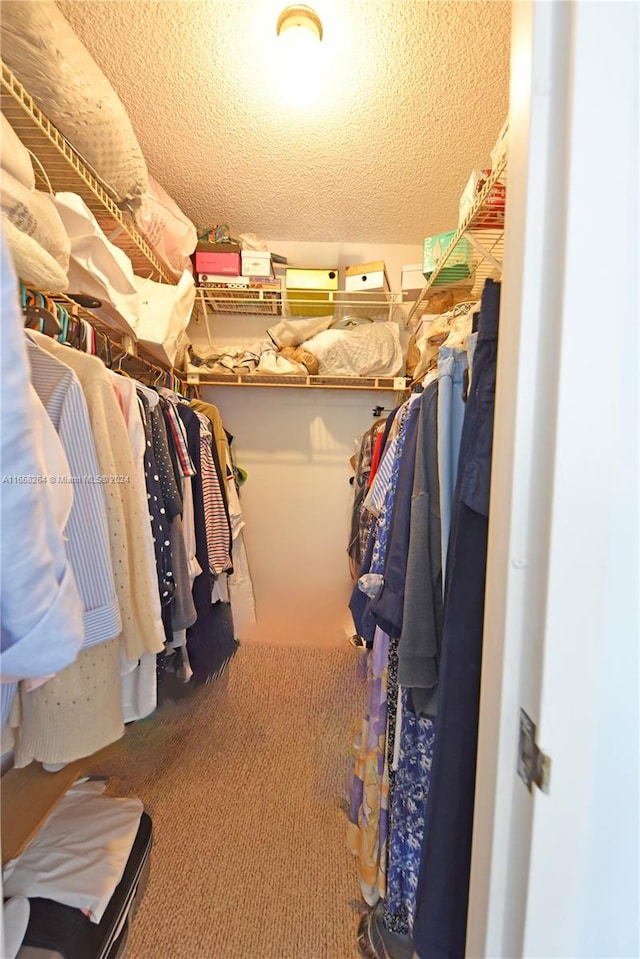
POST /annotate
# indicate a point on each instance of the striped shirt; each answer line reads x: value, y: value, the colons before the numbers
x: 215, y: 515
x: 179, y: 435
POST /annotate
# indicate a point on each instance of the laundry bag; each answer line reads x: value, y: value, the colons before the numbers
x: 165, y: 312
x: 97, y: 267
x: 57, y: 70
x: 166, y: 228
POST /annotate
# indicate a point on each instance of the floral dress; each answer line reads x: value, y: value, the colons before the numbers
x: 368, y: 802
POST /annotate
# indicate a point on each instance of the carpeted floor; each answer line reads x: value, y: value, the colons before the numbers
x: 245, y: 784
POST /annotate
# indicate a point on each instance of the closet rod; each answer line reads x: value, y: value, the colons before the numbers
x: 121, y: 342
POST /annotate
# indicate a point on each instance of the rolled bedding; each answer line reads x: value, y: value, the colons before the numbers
x: 59, y: 73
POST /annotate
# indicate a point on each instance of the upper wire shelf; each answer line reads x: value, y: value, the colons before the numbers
x: 66, y: 171
x: 372, y: 304
x: 483, y: 227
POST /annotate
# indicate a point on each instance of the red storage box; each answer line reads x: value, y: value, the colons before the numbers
x: 225, y: 264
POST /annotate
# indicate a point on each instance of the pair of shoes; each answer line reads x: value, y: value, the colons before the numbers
x: 376, y: 942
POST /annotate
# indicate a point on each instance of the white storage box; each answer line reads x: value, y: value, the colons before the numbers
x: 256, y: 263
x: 366, y: 276
x: 412, y: 280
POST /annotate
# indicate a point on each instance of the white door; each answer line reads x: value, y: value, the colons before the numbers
x: 556, y: 875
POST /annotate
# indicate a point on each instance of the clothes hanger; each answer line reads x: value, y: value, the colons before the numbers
x: 37, y: 315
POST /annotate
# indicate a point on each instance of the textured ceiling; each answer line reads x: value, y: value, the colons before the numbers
x: 412, y: 94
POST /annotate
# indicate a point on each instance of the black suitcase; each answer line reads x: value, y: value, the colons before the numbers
x: 62, y: 932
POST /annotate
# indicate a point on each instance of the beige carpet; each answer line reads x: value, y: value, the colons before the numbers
x: 245, y: 784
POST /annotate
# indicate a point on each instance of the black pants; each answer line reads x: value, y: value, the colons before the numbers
x: 443, y: 889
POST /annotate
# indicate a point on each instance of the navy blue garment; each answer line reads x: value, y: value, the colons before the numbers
x: 360, y: 603
x: 443, y: 891
x: 210, y: 641
x: 387, y: 607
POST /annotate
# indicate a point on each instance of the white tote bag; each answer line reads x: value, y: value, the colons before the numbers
x: 165, y: 312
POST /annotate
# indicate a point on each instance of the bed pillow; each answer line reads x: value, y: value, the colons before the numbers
x: 58, y: 71
x: 166, y: 228
x: 79, y: 854
x: 14, y: 156
x: 34, y: 213
x: 32, y: 263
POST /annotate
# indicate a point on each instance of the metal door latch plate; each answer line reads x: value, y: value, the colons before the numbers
x: 534, y: 766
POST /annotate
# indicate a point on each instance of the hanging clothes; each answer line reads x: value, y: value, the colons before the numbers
x: 210, y: 641
x: 127, y: 524
x: 42, y: 613
x: 88, y: 532
x: 443, y: 891
x: 368, y: 825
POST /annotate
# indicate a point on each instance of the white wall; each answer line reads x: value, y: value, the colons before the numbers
x: 295, y: 445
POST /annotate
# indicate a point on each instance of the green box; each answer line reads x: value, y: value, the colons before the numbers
x: 459, y: 263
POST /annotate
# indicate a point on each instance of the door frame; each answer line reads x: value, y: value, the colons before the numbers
x: 557, y: 875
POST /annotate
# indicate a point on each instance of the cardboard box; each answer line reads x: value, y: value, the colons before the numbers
x: 256, y: 263
x: 310, y: 292
x: 412, y: 280
x: 227, y: 264
x: 209, y: 246
x: 366, y: 276
x: 459, y: 264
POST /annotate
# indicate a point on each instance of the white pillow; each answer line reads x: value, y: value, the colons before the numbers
x: 34, y: 213
x: 58, y: 71
x: 32, y: 262
x: 14, y: 156
x: 166, y: 228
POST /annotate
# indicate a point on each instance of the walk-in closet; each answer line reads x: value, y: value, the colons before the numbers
x: 319, y: 522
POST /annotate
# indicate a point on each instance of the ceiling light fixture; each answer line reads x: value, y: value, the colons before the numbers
x: 300, y: 15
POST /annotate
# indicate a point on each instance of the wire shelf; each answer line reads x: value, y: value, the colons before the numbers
x: 483, y: 227
x: 60, y: 169
x: 374, y: 305
x: 393, y: 383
